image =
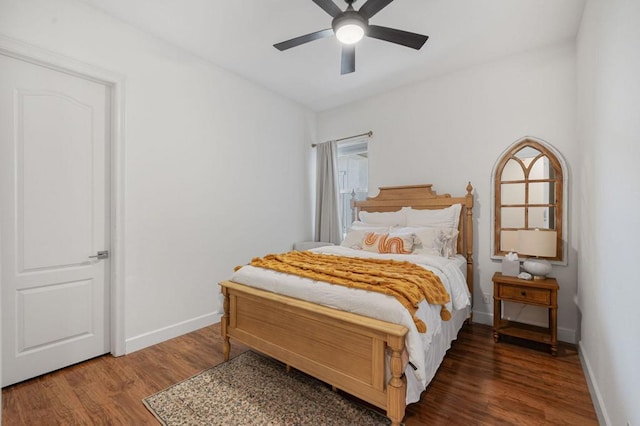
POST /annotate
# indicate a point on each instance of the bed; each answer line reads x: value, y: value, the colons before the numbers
x: 352, y: 350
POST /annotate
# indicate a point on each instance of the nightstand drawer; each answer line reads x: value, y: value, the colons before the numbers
x: 525, y: 294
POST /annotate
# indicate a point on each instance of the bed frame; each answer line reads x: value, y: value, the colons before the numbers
x: 345, y: 350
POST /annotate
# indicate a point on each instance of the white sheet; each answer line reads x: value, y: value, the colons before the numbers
x: 377, y: 305
x: 440, y: 344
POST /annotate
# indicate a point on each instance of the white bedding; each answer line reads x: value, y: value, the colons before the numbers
x: 381, y: 306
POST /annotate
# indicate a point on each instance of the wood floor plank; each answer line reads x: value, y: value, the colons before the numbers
x: 479, y: 383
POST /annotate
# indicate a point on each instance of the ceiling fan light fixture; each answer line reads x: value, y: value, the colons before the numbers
x: 350, y: 32
x: 349, y: 26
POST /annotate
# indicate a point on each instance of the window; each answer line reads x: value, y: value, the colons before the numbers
x: 353, y: 176
x: 529, y: 194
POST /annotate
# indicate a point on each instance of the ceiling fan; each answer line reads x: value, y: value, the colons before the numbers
x: 350, y: 26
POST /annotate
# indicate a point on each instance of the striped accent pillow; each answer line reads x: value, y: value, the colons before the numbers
x: 388, y: 243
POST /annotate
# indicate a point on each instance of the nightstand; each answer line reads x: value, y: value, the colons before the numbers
x: 542, y: 293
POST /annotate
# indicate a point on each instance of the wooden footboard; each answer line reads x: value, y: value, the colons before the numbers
x: 342, y: 349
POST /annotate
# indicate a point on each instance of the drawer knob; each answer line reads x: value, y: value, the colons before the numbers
x: 523, y: 293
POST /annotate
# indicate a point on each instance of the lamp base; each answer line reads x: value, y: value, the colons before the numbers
x: 539, y: 268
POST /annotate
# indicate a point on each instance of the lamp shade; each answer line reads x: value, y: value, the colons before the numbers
x: 508, y: 240
x: 537, y: 242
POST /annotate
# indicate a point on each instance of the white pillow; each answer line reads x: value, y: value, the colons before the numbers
x: 448, y: 217
x: 358, y: 225
x: 398, y: 218
x: 388, y: 243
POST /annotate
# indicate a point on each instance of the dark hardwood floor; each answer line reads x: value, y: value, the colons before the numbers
x: 479, y: 383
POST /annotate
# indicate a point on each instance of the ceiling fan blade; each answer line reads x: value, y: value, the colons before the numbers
x: 404, y: 38
x: 372, y: 7
x: 284, y: 45
x: 328, y: 6
x: 348, y: 59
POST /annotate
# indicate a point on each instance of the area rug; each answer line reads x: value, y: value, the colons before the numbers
x: 252, y: 389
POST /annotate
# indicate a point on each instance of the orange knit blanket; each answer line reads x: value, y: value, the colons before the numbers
x: 407, y: 282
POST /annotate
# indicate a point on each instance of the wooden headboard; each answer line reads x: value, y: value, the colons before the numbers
x: 393, y: 198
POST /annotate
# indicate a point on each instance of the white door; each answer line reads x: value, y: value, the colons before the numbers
x: 54, y: 215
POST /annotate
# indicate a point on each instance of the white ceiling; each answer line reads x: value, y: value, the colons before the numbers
x: 238, y: 35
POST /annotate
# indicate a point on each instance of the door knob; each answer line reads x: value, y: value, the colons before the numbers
x: 104, y: 254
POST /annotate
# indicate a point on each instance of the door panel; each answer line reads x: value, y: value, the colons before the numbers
x: 54, y: 214
x: 43, y: 317
x: 53, y: 178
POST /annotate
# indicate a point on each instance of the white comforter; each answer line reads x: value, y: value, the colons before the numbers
x: 375, y: 305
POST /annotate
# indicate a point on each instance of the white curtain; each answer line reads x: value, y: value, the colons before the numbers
x: 327, y: 202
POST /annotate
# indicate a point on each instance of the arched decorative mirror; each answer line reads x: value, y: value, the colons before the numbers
x: 529, y: 194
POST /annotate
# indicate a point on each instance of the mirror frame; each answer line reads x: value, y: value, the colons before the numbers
x: 556, y: 161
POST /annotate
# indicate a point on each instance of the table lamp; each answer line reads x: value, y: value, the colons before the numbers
x: 539, y: 243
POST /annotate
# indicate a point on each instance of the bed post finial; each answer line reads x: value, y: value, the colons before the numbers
x: 469, y: 188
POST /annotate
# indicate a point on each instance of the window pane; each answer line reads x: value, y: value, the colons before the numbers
x: 540, y: 169
x: 357, y: 147
x: 353, y: 176
x: 512, y: 171
x: 512, y: 193
x: 541, y: 193
x: 512, y: 217
x: 353, y: 173
x: 542, y: 217
x: 527, y: 153
x: 552, y: 171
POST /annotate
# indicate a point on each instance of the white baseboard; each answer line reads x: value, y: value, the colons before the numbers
x: 596, y: 396
x: 567, y: 335
x: 483, y: 318
x: 564, y: 334
x: 151, y: 338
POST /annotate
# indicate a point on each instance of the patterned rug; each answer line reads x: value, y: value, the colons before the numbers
x: 251, y: 389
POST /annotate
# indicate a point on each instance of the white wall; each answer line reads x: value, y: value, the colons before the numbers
x: 216, y: 168
x: 609, y: 202
x: 452, y: 129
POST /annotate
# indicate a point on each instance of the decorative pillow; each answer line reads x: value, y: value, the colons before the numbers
x: 357, y: 231
x: 398, y: 218
x: 388, y: 243
x: 449, y: 242
x: 441, y: 218
x: 433, y: 241
x: 426, y: 241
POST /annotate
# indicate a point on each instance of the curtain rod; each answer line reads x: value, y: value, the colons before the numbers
x: 368, y: 134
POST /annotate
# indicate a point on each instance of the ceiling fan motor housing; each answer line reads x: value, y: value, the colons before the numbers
x: 350, y: 17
